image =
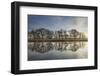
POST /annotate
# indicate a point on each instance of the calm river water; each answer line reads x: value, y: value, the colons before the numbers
x: 57, y: 50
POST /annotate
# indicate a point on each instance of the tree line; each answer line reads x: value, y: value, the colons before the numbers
x: 43, y: 33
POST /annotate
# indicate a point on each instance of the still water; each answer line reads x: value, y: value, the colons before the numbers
x: 57, y: 50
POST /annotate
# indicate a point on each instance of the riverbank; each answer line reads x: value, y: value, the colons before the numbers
x: 56, y: 40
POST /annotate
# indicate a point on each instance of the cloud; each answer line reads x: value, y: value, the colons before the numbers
x: 58, y: 22
x: 82, y: 24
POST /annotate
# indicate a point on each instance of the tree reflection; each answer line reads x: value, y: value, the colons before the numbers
x: 43, y: 47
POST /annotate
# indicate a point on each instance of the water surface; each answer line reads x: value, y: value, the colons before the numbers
x: 57, y: 50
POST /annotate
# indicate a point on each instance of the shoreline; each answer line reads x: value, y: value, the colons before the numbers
x: 56, y: 40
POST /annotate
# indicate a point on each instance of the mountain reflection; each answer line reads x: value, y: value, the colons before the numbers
x: 44, y: 47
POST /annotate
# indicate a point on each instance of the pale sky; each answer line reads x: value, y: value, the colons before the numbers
x: 55, y: 23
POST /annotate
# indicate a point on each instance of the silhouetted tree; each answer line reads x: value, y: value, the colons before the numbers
x: 74, y: 33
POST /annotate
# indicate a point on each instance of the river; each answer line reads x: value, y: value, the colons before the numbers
x: 57, y: 50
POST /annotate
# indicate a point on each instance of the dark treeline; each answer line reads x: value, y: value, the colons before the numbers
x: 43, y: 33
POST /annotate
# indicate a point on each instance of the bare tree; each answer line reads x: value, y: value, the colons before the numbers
x: 74, y: 33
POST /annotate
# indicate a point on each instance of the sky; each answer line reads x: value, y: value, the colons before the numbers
x: 55, y: 23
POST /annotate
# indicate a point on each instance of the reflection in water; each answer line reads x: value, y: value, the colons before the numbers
x: 56, y: 50
x: 43, y: 47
